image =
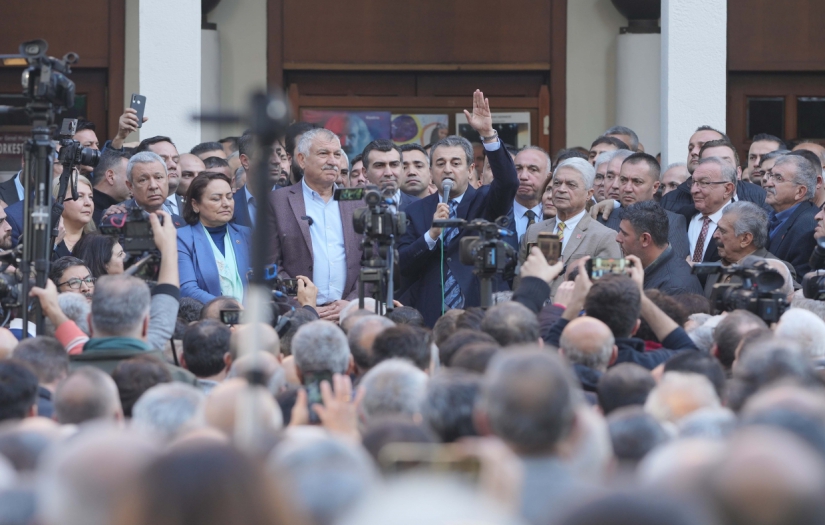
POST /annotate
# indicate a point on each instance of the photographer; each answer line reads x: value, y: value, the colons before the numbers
x: 164, y: 302
x: 76, y: 220
x: 213, y: 253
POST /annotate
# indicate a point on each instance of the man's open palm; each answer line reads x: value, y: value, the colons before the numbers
x: 481, y: 119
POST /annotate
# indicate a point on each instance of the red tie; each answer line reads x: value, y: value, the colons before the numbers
x: 700, y: 242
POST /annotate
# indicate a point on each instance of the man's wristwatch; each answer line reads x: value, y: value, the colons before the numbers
x: 490, y: 138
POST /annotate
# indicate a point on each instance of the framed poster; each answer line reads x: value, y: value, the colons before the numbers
x: 513, y: 128
x: 410, y: 128
x: 356, y: 129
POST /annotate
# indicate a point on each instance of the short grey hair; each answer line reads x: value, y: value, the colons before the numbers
x: 584, y: 168
x: 670, y: 167
x: 728, y: 172
x: 119, y: 304
x: 597, y: 360
x: 307, y: 138
x: 455, y: 141
x: 76, y: 308
x: 144, y: 157
x: 804, y: 174
x: 605, y: 156
x: 774, y: 155
x: 623, y: 130
x: 393, y: 387
x: 546, y: 156
x: 321, y: 346
x: 327, y: 476
x: 168, y: 409
x: 750, y: 218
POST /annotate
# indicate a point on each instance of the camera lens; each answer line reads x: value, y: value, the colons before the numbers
x: 89, y: 157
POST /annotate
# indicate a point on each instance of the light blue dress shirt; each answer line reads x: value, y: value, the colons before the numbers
x: 329, y: 264
x: 250, y: 205
x: 19, y: 185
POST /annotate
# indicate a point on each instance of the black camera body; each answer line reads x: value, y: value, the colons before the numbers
x: 756, y: 292
x: 485, y: 251
x: 71, y: 151
x: 378, y: 221
x: 813, y: 283
x: 45, y: 79
x: 134, y: 229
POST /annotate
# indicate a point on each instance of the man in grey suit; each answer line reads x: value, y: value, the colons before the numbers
x: 311, y: 234
x: 383, y: 164
x: 580, y: 235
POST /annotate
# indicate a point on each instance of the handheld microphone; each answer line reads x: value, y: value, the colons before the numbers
x: 447, y: 187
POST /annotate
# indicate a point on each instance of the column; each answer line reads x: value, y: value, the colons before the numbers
x: 210, y: 80
x: 169, y: 65
x: 637, y: 85
x: 694, y: 71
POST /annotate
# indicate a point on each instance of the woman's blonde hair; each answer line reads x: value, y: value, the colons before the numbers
x: 81, y: 179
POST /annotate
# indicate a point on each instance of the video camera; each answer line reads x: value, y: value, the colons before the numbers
x: 486, y: 252
x: 71, y: 151
x: 45, y: 79
x: 133, y: 228
x: 755, y: 292
x: 813, y: 283
x: 377, y: 220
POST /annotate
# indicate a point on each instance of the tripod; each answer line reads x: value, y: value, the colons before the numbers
x: 377, y: 269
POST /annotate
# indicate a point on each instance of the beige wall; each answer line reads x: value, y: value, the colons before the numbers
x: 592, y: 28
x: 242, y: 36
x: 131, y: 69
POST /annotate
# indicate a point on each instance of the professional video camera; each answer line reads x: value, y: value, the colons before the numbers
x: 381, y: 225
x: 71, y: 151
x: 48, y: 91
x: 813, y: 283
x: 486, y: 252
x: 135, y: 233
x: 755, y: 289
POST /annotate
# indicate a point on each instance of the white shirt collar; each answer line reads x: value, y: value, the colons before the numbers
x: 713, y: 217
x: 457, y: 199
x: 571, y: 223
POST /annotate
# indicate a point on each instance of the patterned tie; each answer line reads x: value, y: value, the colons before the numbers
x: 562, y: 226
x: 531, y: 217
x: 453, y: 298
x: 700, y: 242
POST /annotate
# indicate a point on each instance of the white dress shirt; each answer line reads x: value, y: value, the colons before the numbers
x: 695, y: 229
x: 521, y: 219
x: 569, y: 225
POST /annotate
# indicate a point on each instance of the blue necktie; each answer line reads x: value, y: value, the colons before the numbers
x: 452, y: 292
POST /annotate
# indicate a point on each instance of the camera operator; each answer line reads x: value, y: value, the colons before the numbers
x: 165, y: 295
x: 85, y: 134
x: 742, y: 231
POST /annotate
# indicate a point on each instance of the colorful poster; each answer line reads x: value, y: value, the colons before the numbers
x: 419, y: 129
x: 356, y: 129
x: 513, y: 128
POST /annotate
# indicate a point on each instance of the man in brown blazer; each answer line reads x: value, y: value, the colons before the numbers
x: 310, y: 233
x: 581, y: 236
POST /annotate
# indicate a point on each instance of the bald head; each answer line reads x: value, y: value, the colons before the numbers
x: 362, y: 335
x: 679, y: 394
x: 588, y: 342
x: 224, y: 400
x: 87, y: 394
x: 260, y: 335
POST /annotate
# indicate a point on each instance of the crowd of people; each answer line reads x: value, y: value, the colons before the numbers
x: 582, y: 396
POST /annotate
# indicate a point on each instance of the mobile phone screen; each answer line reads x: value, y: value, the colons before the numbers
x: 598, y: 267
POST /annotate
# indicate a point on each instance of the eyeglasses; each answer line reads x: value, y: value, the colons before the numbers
x: 704, y: 183
x: 74, y: 284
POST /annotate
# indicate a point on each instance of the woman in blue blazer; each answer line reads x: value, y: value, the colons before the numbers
x: 213, y: 254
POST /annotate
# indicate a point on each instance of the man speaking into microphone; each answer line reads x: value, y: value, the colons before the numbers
x: 420, y: 249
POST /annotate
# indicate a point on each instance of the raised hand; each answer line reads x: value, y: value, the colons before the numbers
x: 481, y: 119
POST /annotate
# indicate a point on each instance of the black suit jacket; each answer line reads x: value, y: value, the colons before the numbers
x: 794, y: 240
x: 8, y: 190
x: 676, y: 235
x: 671, y: 274
x: 681, y: 201
x: 421, y: 267
x: 406, y: 200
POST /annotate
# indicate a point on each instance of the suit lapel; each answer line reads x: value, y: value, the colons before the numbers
x: 464, y: 206
x: 576, y: 236
x: 241, y: 251
x: 351, y: 240
x: 776, y: 242
x: 204, y: 257
x: 296, y: 203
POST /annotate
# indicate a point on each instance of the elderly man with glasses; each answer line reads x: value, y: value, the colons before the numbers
x: 790, y: 186
x: 714, y: 184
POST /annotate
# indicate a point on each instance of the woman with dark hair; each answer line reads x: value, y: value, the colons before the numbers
x: 547, y: 208
x: 70, y: 274
x: 103, y: 254
x: 76, y: 220
x: 213, y: 254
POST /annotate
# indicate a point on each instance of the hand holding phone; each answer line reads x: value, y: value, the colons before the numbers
x: 138, y: 103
